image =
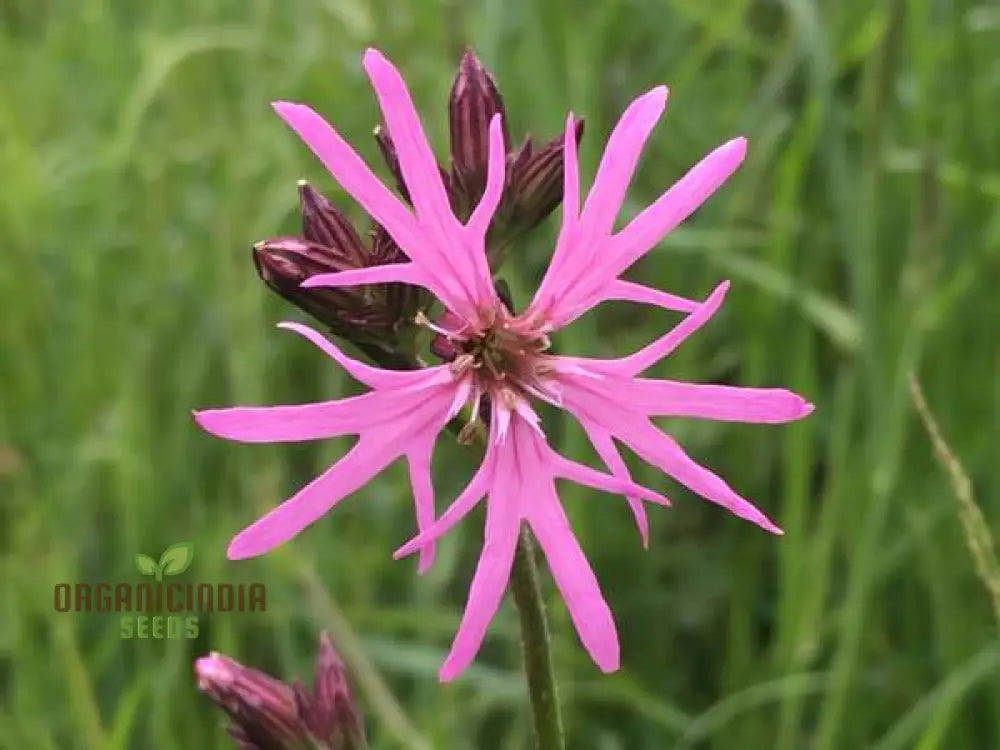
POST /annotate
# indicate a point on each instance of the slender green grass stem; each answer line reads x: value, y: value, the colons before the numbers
x: 537, y: 647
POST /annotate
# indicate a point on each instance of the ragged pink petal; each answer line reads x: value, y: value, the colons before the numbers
x: 576, y: 581
x: 281, y: 424
x: 605, y: 447
x: 558, y: 466
x: 582, y: 244
x: 674, y: 206
x: 418, y: 416
x: 416, y: 159
x: 618, y: 163
x: 628, y: 291
x: 665, y: 345
x: 542, y: 301
x: 418, y: 460
x: 449, y: 250
x: 723, y: 403
x: 474, y: 491
x: 596, y: 401
x: 404, y: 273
x: 479, y: 221
x: 325, y: 419
x: 353, y: 174
x: 373, y: 377
x: 306, y: 506
x: 503, y: 522
x: 660, y: 450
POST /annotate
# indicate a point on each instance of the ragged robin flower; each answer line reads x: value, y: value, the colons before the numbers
x: 502, y: 360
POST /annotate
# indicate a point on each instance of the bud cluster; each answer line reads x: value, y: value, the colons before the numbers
x: 371, y: 316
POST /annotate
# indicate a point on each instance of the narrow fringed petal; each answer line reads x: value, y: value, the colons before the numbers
x: 309, y: 504
x: 446, y: 257
x: 456, y: 255
x: 373, y: 377
x: 584, y: 271
x: 575, y: 579
x: 489, y: 582
x: 416, y: 159
x: 390, y: 424
x: 661, y: 450
x: 605, y: 447
x: 615, y: 414
x: 583, y: 242
x: 722, y: 403
x: 518, y: 474
x: 474, y: 491
x: 325, y: 419
x: 404, y: 273
x: 418, y: 460
x: 674, y: 206
x: 665, y: 345
x: 570, y: 216
x: 618, y: 163
x: 629, y: 291
x: 285, y: 424
x: 558, y: 466
x: 479, y: 221
x: 353, y: 174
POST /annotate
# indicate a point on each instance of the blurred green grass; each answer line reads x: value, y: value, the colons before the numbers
x: 140, y: 161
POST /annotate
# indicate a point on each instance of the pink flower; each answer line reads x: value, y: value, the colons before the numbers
x: 502, y: 356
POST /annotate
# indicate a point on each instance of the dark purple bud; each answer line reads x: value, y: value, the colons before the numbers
x: 473, y: 102
x: 329, y: 712
x: 534, y: 189
x: 267, y: 714
x: 324, y: 225
x: 536, y: 182
x: 388, y: 149
x: 360, y: 314
x: 402, y: 299
x: 374, y: 315
x: 262, y: 711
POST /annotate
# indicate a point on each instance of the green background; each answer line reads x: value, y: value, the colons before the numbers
x: 140, y: 161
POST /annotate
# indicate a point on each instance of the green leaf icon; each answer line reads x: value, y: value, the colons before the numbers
x: 177, y: 558
x: 146, y: 565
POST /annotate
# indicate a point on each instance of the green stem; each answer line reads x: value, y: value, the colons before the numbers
x: 537, y: 647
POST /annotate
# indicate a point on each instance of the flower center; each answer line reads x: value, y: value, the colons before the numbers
x: 503, y: 357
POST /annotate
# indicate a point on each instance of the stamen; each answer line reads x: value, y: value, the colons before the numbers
x: 462, y: 364
x: 452, y: 335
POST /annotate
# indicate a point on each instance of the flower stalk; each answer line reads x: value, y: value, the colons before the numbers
x: 536, y: 645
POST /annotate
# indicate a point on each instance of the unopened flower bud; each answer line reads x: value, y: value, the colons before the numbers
x: 267, y: 714
x: 372, y: 315
x: 324, y: 225
x: 534, y: 189
x: 329, y: 712
x: 388, y: 149
x: 473, y: 102
x: 262, y: 710
x: 356, y: 313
